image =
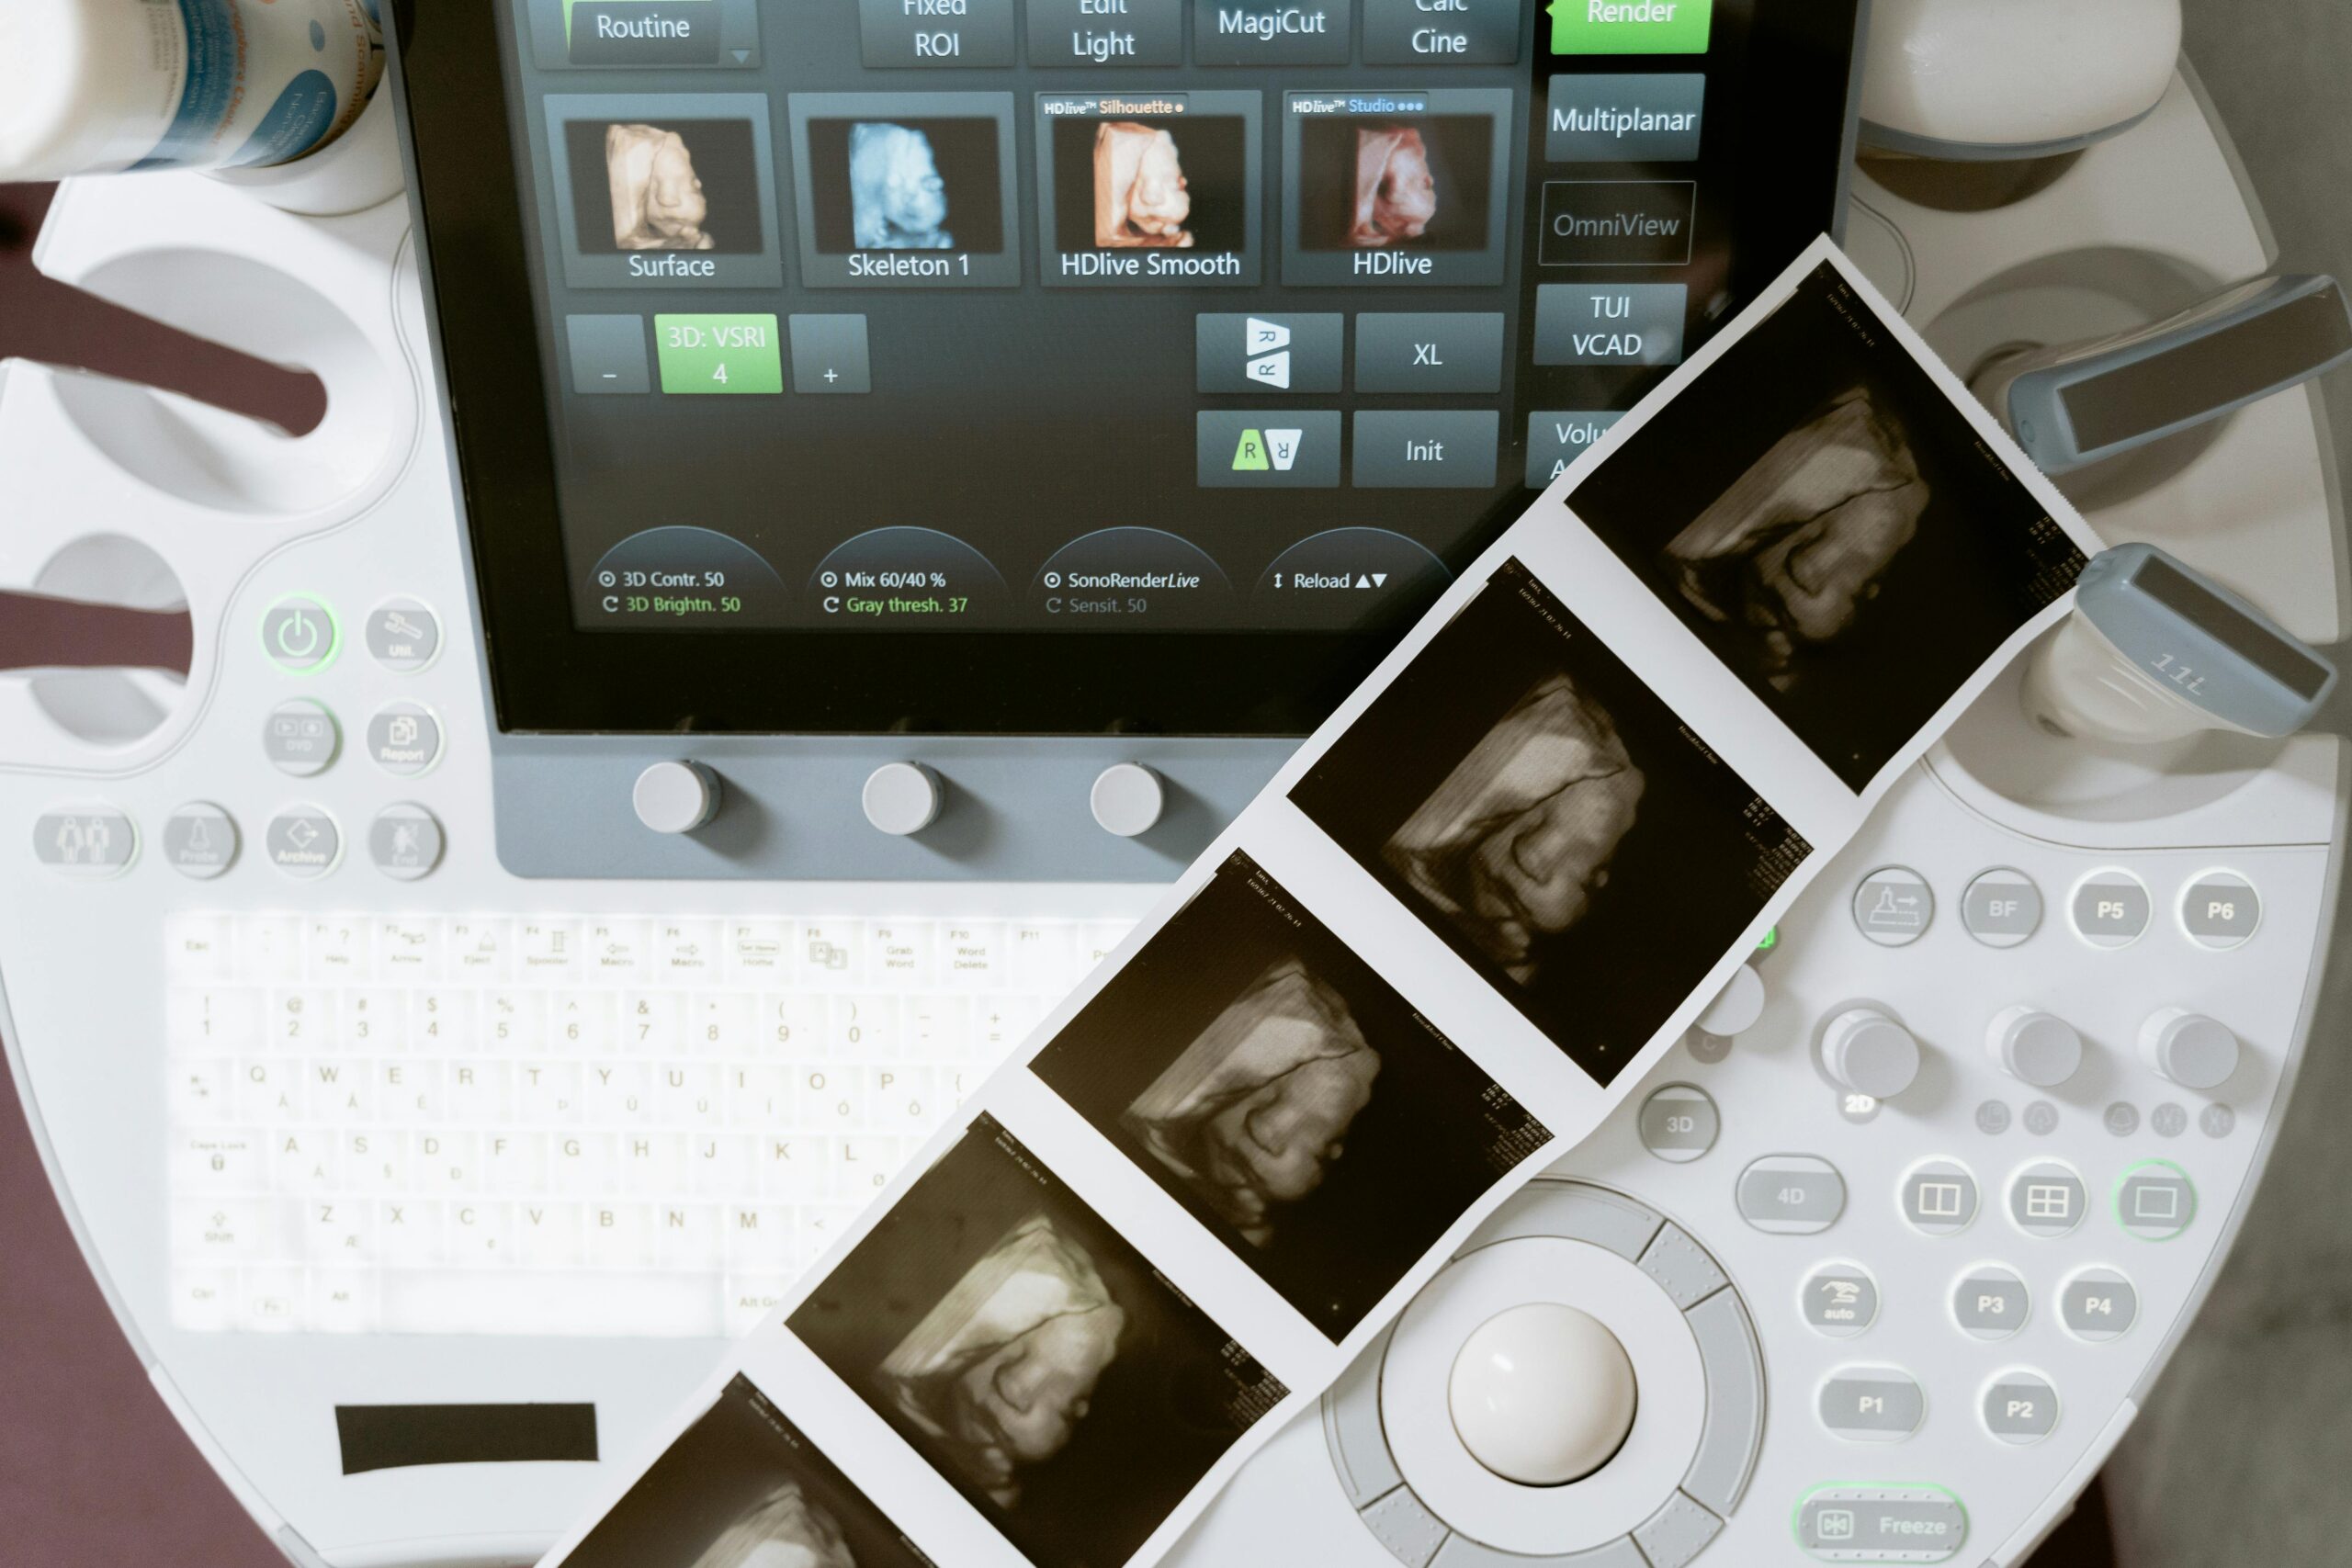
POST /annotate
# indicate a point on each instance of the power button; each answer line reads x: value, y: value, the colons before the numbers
x: 298, y: 634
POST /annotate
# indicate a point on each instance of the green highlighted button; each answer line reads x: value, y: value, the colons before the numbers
x: 1631, y: 26
x: 720, y: 353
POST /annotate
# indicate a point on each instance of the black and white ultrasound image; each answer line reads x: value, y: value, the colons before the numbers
x: 745, y: 1488
x: 1258, y: 1071
x: 908, y: 184
x: 1545, y: 813
x: 1825, y: 519
x: 1031, y: 1356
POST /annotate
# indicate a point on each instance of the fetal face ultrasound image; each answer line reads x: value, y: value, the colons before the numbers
x: 1413, y: 181
x: 1130, y: 185
x: 680, y: 185
x: 906, y: 184
x: 745, y: 1488
x: 1545, y: 813
x: 1258, y: 1071
x: 1831, y: 526
x: 1031, y: 1356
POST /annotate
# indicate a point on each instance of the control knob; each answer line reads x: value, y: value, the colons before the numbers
x: 1738, y: 1006
x: 901, y: 797
x: 2034, y: 1047
x: 1869, y: 1053
x: 2190, y: 1049
x: 675, y: 797
x: 1128, y: 799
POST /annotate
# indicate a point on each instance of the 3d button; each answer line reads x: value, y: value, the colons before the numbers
x: 199, y: 841
x: 1871, y: 1405
x: 966, y: 33
x: 2154, y: 1201
x: 2097, y: 1304
x: 1429, y: 351
x: 1893, y: 906
x: 1839, y: 1300
x: 405, y: 842
x: 298, y: 634
x: 301, y: 738
x: 303, y: 841
x: 830, y: 355
x: 1609, y: 323
x: 2033, y: 1046
x: 1541, y: 1393
x: 91, y: 842
x: 675, y: 797
x: 1881, y: 1524
x: 1441, y: 32
x: 1239, y: 352
x: 2020, y: 1407
x: 2220, y: 910
x: 403, y: 635
x: 1940, y: 1197
x: 1426, y: 448
x: 901, y: 799
x: 1127, y: 799
x: 2047, y: 1200
x: 2111, y: 908
x: 1990, y: 1303
x: 1678, y: 1122
x: 1869, y: 1053
x: 404, y: 738
x: 2001, y: 908
x: 1792, y: 1194
x: 2190, y: 1049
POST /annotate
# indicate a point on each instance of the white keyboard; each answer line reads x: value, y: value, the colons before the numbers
x: 589, y: 1124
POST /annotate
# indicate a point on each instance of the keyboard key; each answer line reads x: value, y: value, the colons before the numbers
x: 535, y: 1302
x: 548, y: 1235
x: 583, y: 1023
x: 480, y: 1093
x: 374, y: 1017
x: 687, y: 1236
x: 864, y: 1166
x: 686, y: 952
x: 441, y: 1018
x: 652, y: 1023
x: 972, y: 955
x: 617, y: 950
x: 212, y: 1017
x: 514, y: 1165
x: 548, y: 1093
x: 653, y: 1164
x: 223, y: 1162
x: 757, y: 1094
x: 688, y: 1094
x: 752, y: 1299
x: 481, y: 1234
x: 339, y: 1232
x: 759, y: 1238
x: 202, y: 1091
x: 796, y: 1168
x: 722, y: 1165
x: 617, y: 1094
x: 269, y: 947
x: 514, y: 1022
x: 298, y: 1021
x: 409, y: 1232
x: 408, y: 1091
x: 1043, y: 957
x: 547, y: 952
x: 720, y: 1024
x: 900, y: 952
x: 339, y: 1091
x: 343, y: 1301
x: 199, y: 948
x: 269, y: 1090
x: 272, y: 1299
x: 758, y: 952
x: 408, y: 947
x: 825, y: 955
x: 335, y: 949
x: 937, y: 1027
x: 305, y: 1163
x: 865, y: 1028
x: 792, y: 1025
x: 204, y: 1301
x: 619, y: 1235
x: 480, y: 949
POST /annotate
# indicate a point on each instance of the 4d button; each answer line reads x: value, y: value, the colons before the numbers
x: 1791, y: 1194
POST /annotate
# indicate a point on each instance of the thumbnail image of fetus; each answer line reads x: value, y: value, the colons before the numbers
x: 1798, y: 544
x: 1253, y: 1113
x: 897, y: 201
x: 1396, y: 191
x: 1002, y: 1371
x: 1515, y: 843
x: 781, y: 1529
x: 1140, y: 194
x: 658, y: 201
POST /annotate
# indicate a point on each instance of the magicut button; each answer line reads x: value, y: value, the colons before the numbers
x: 1257, y: 32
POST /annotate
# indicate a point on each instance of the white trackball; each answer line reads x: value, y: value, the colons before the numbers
x: 1542, y: 1394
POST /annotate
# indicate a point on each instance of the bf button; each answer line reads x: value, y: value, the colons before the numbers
x: 2001, y: 908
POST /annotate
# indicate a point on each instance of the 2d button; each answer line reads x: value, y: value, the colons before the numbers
x: 1881, y: 1524
x: 1272, y: 448
x: 1791, y: 1194
x: 1242, y: 353
x: 1893, y: 906
x: 937, y: 33
x: 2099, y: 1304
x: 1429, y: 351
x: 2001, y: 908
x: 405, y: 842
x: 403, y: 635
x: 303, y: 841
x: 91, y: 842
x: 607, y: 355
x: 1990, y: 1303
x: 1426, y: 448
x: 298, y: 634
x: 1609, y: 323
x: 2111, y: 908
x: 404, y: 738
x: 1839, y: 1300
x: 2154, y: 1201
x: 2220, y: 910
x: 301, y: 738
x: 1680, y: 1123
x: 1871, y: 1405
x: 1441, y: 32
x: 1939, y: 1197
x: 2020, y: 1407
x: 200, y: 840
x: 2047, y: 1200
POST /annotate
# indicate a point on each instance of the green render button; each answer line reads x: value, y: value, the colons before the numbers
x: 1631, y: 26
x: 719, y: 354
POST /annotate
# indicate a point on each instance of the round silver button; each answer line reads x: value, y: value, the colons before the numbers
x: 1869, y: 1053
x: 1678, y: 1122
x: 675, y: 797
x: 1738, y: 1006
x: 404, y: 738
x: 199, y: 841
x: 2190, y: 1049
x: 2220, y: 910
x: 2111, y: 908
x: 2002, y: 907
x: 403, y: 635
x: 1128, y: 799
x: 1893, y: 906
x: 405, y: 842
x: 901, y: 797
x: 304, y: 841
x: 2033, y: 1046
x: 301, y: 738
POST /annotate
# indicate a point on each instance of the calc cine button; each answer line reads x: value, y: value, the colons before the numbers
x: 1792, y: 1195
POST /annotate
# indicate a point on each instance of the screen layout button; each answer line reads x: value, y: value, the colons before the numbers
x: 1618, y: 222
x: 1106, y: 32
x: 1429, y: 351
x: 1426, y: 448
x: 1239, y: 352
x: 1441, y: 32
x: 1609, y: 323
x: 935, y: 32
x: 1271, y: 32
x: 1268, y: 448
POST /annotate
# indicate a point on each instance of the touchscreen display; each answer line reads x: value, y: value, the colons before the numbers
x: 878, y: 316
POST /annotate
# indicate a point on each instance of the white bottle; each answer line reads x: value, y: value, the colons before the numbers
x: 94, y: 86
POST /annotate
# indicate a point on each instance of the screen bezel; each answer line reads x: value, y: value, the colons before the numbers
x: 548, y: 676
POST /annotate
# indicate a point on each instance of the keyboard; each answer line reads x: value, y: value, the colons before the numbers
x: 586, y: 1125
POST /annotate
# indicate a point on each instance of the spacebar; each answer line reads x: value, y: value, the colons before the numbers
x: 505, y: 1300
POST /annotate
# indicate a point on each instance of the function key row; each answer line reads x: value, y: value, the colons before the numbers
x: 1989, y: 1302
x: 1805, y: 1195
x: 2111, y: 908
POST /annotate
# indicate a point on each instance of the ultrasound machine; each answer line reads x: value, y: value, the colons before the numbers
x: 809, y: 534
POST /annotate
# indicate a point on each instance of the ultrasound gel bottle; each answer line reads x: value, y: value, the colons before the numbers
x: 100, y: 87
